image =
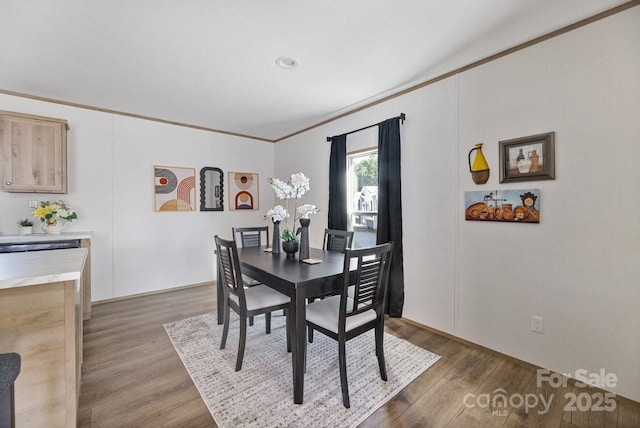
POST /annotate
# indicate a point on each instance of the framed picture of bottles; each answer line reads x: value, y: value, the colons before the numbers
x: 528, y: 158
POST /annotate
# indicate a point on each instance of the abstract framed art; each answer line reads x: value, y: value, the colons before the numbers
x: 244, y: 191
x: 175, y: 188
x: 528, y: 158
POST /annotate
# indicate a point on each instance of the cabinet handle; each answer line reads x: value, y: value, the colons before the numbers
x: 8, y: 183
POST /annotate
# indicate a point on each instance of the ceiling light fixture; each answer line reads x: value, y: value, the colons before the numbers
x: 286, y: 62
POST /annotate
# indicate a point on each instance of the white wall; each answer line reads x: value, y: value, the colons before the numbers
x: 580, y: 267
x: 110, y: 174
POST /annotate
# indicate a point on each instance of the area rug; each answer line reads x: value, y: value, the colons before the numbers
x: 261, y: 394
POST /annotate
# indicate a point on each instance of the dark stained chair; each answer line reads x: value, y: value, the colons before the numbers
x: 251, y: 236
x: 337, y: 240
x: 334, y: 240
x: 245, y: 301
x: 343, y: 317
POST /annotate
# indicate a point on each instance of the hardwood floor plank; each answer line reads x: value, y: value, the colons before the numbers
x: 628, y: 413
x: 132, y: 376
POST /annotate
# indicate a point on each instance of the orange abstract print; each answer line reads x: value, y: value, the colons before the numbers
x: 243, y: 191
x: 175, y: 188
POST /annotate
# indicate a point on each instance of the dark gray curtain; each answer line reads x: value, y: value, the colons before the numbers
x: 337, y: 217
x: 390, y: 209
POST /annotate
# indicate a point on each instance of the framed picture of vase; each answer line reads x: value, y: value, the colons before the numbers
x: 528, y: 158
x: 175, y: 188
x: 244, y: 191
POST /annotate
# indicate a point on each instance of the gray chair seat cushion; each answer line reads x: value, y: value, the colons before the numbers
x: 325, y: 313
x: 261, y: 296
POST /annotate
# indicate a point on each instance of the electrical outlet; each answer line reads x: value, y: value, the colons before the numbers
x: 537, y: 324
x: 33, y: 204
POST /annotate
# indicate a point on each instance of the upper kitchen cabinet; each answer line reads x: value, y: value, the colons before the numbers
x: 34, y: 153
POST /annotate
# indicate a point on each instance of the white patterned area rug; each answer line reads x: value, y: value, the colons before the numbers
x: 261, y: 394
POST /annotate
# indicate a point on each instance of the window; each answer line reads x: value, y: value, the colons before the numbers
x: 362, y: 191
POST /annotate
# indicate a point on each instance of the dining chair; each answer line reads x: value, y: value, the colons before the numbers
x: 343, y: 317
x: 337, y: 240
x: 245, y: 301
x: 251, y: 236
x: 334, y: 240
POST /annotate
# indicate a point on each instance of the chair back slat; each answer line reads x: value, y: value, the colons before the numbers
x: 337, y: 240
x: 250, y: 240
x: 251, y: 236
x: 368, y: 282
x: 229, y: 266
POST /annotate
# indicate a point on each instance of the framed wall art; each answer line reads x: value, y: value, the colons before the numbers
x: 244, y: 191
x: 528, y: 158
x: 175, y: 188
x: 510, y: 206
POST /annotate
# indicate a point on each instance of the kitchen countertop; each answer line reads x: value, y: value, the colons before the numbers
x: 41, y: 267
x: 40, y: 237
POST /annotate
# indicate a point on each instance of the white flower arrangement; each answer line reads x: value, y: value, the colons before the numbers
x: 295, y: 188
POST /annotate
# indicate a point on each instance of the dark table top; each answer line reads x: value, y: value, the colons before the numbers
x: 291, y: 271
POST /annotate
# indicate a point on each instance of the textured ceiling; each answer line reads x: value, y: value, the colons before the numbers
x: 211, y: 63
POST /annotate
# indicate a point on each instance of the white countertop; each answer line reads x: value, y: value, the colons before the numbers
x: 41, y: 267
x: 40, y: 237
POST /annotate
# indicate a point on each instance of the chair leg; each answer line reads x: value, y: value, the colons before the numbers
x: 251, y: 321
x: 242, y: 342
x: 342, y: 359
x: 225, y: 329
x: 267, y: 321
x: 380, y: 352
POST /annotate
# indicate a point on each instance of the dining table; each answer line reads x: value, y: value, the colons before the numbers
x: 298, y: 280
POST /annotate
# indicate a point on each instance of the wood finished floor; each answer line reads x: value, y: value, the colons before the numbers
x: 132, y: 377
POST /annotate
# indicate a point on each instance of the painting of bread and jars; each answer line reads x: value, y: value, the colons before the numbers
x: 511, y: 206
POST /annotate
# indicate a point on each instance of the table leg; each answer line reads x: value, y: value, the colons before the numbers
x: 298, y: 334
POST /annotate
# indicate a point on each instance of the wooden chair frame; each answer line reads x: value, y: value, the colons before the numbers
x: 368, y: 285
x: 334, y: 240
x: 232, y: 284
x: 251, y: 236
x: 337, y: 240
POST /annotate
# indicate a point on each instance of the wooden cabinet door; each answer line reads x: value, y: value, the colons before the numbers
x: 34, y: 151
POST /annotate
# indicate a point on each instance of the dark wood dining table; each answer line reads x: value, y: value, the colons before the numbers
x: 298, y: 280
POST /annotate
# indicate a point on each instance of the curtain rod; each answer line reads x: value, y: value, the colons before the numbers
x: 402, y: 117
